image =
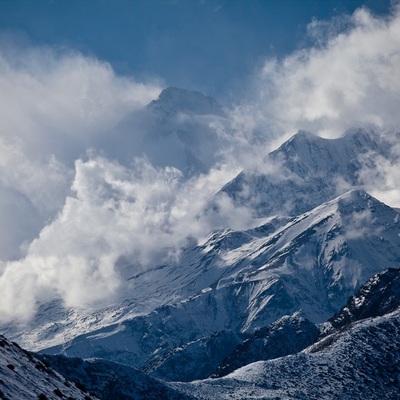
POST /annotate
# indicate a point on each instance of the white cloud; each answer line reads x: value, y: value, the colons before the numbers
x: 381, y: 175
x: 355, y: 225
x: 349, y: 78
x: 141, y: 215
x: 53, y: 106
x: 87, y: 214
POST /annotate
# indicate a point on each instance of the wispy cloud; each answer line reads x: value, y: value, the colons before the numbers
x: 349, y: 77
x: 381, y: 175
x: 355, y: 225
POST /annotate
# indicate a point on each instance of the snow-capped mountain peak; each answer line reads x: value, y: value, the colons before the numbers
x: 175, y: 130
x: 312, y: 169
x: 306, y: 154
x: 173, y: 100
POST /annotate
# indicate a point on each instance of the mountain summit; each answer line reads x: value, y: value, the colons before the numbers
x: 173, y: 100
x: 307, y: 170
x: 175, y: 130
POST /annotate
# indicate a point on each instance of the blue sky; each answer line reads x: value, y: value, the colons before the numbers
x: 209, y: 45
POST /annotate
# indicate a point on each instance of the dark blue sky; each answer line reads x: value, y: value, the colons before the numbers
x: 210, y: 45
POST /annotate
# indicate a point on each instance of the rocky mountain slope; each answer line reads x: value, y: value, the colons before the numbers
x: 358, y: 360
x: 354, y: 354
x: 288, y: 335
x: 110, y: 381
x: 24, y: 377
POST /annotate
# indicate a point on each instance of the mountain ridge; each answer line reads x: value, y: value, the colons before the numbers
x: 307, y: 170
x: 25, y: 377
x: 358, y: 360
x: 308, y: 264
x: 337, y: 364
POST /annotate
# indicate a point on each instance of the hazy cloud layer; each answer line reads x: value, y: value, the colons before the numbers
x: 73, y: 218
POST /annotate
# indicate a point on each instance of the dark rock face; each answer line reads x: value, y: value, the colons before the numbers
x: 110, y: 381
x: 379, y: 296
x: 360, y: 363
x: 195, y: 360
x: 288, y: 335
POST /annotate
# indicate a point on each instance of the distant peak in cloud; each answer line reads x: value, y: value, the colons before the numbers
x: 172, y: 100
x: 368, y: 138
x: 302, y: 136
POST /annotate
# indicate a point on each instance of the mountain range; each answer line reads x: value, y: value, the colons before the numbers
x: 302, y: 304
x: 359, y: 359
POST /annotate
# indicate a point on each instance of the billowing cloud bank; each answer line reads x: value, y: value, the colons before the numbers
x: 71, y: 218
x: 53, y: 108
x: 351, y: 76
